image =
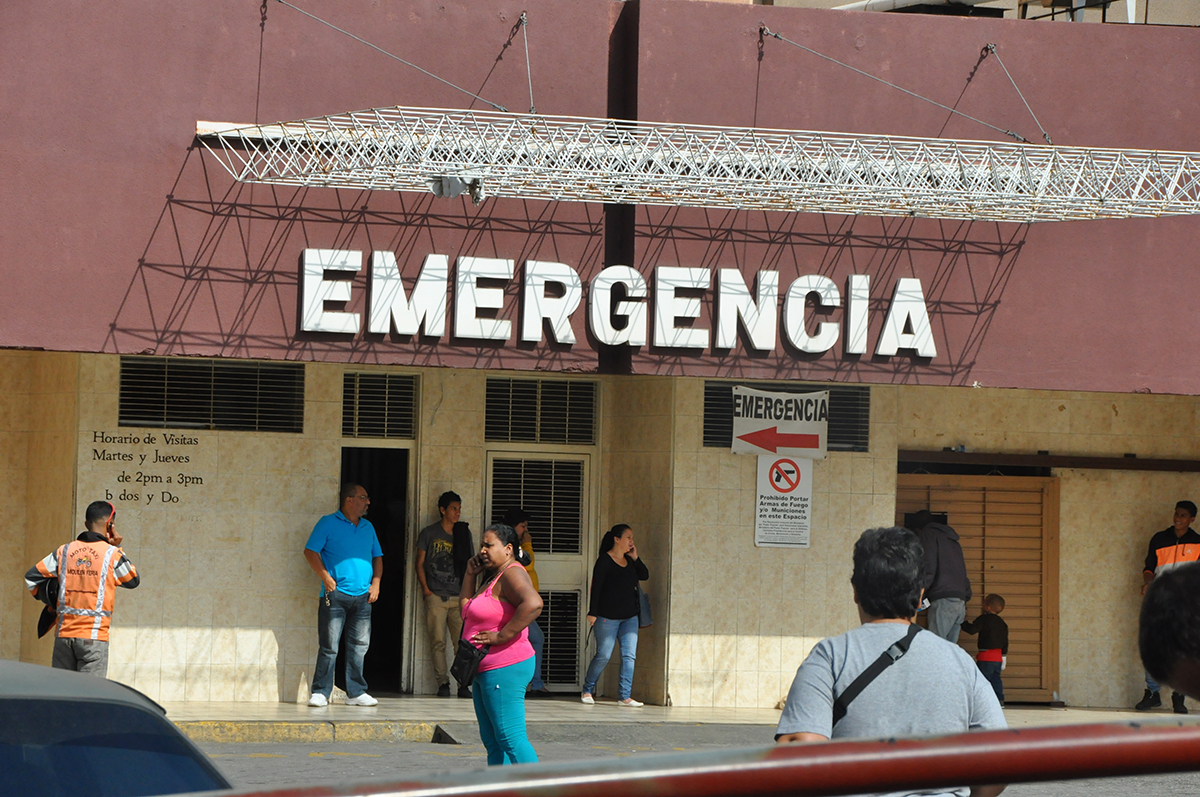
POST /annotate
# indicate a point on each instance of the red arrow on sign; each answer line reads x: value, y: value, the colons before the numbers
x: 772, y: 440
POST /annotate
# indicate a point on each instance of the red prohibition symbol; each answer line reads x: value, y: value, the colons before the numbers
x: 785, y: 475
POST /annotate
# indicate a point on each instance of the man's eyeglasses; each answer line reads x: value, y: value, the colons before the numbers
x: 363, y: 497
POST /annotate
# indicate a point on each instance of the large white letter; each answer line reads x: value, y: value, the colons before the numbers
x: 858, y: 303
x: 318, y: 290
x: 600, y: 306
x: 668, y: 307
x: 793, y: 313
x: 469, y: 297
x: 734, y: 302
x: 907, y: 311
x: 557, y: 309
x: 388, y: 305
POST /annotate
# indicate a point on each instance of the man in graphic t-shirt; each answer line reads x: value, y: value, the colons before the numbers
x: 1174, y: 546
x: 440, y: 573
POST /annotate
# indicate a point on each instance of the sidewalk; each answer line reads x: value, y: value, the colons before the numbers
x: 416, y: 719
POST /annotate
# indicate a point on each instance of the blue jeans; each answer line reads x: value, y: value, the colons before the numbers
x: 607, y: 633
x: 1151, y: 684
x: 991, y: 671
x: 538, y: 640
x: 499, y: 697
x: 352, y: 613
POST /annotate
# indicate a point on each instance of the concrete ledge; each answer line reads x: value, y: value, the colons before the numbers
x: 250, y: 731
x: 245, y: 732
x: 385, y: 731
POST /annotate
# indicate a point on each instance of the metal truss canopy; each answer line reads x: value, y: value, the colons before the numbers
x: 651, y: 163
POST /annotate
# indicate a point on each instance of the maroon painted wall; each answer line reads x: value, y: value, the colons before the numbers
x: 1079, y: 305
x: 115, y: 237
x: 118, y: 238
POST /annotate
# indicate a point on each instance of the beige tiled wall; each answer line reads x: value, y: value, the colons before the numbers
x: 227, y: 605
x: 742, y: 617
x: 15, y: 378
x: 451, y: 458
x: 50, y: 482
x: 1106, y: 516
x: 636, y: 489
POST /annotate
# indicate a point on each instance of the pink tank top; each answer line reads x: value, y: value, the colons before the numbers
x: 486, y: 612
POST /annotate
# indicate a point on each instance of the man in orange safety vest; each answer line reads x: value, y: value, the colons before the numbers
x: 77, y: 582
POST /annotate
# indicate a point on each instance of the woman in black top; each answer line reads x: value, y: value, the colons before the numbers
x: 613, y: 611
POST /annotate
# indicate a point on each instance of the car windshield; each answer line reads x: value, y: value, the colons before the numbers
x: 95, y: 749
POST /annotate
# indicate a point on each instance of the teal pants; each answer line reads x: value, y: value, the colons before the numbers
x: 499, y: 697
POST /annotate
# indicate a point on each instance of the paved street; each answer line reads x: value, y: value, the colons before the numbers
x: 259, y: 765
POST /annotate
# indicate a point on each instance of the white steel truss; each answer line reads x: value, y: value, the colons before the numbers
x: 652, y: 163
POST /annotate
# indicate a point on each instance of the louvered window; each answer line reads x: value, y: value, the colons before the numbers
x: 379, y: 405
x: 541, y: 411
x: 559, y: 621
x: 849, y: 412
x: 179, y: 393
x: 551, y: 491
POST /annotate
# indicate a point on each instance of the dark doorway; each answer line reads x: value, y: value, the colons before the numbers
x: 383, y: 472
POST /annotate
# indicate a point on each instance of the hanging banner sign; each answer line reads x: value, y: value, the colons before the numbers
x: 784, y: 508
x: 795, y: 424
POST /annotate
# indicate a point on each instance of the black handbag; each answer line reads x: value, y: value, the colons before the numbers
x: 466, y: 662
x: 645, y: 618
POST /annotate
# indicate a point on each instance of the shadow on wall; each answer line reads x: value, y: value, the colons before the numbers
x: 964, y: 269
x: 220, y: 276
x: 220, y: 272
x: 215, y: 663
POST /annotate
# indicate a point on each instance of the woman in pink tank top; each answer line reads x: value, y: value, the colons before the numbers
x: 498, y: 615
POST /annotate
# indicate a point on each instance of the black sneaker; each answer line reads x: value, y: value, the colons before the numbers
x: 1149, y: 700
x: 1177, y: 703
x: 464, y: 691
x: 444, y: 690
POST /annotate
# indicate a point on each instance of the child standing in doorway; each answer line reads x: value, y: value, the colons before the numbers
x: 993, y: 642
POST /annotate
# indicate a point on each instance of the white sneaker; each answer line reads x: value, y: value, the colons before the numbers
x: 362, y: 700
x: 629, y: 702
x: 318, y: 700
x: 587, y: 698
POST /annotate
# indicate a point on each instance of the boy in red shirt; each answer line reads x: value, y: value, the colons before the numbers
x: 993, y: 642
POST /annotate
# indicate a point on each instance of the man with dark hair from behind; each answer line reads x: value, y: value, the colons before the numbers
x: 343, y: 550
x: 1169, y: 629
x: 77, y: 582
x: 946, y: 584
x: 934, y: 688
x: 1170, y: 548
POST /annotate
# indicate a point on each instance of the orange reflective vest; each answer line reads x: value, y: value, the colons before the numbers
x: 87, y: 580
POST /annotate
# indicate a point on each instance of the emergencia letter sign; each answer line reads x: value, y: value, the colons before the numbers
x: 780, y: 423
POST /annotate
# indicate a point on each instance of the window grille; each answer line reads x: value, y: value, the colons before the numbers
x: 540, y: 411
x: 551, y: 491
x: 559, y: 622
x: 379, y: 405
x: 187, y: 393
x: 849, y: 412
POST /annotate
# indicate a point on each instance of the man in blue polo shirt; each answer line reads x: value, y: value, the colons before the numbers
x: 344, y: 553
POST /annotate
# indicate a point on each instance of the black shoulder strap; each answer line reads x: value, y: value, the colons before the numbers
x: 885, y: 660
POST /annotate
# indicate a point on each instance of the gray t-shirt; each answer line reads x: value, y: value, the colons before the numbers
x: 935, y: 689
x: 438, y: 546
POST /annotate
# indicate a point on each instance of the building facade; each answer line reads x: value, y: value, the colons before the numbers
x: 159, y: 348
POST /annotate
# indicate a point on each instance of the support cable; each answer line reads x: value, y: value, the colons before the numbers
x: 262, y: 33
x: 764, y: 30
x: 991, y: 48
x: 500, y: 108
x: 528, y: 73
